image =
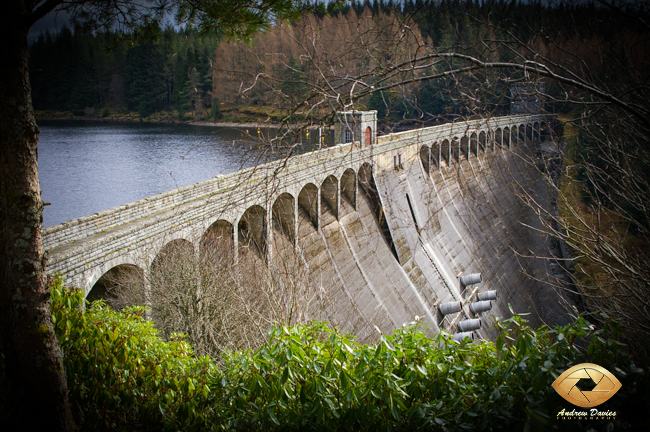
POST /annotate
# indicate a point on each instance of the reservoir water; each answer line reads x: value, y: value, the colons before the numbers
x: 85, y: 167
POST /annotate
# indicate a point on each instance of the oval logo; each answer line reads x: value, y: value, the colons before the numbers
x: 575, y: 385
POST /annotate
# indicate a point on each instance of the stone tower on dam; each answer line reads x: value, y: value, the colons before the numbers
x: 390, y: 227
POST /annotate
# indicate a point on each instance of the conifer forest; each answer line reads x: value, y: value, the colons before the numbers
x: 205, y: 76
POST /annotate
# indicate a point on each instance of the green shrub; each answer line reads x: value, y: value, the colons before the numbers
x: 123, y: 376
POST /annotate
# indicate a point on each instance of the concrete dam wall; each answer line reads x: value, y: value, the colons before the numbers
x: 386, y: 230
x: 445, y: 219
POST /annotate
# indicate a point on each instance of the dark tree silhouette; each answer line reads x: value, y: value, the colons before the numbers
x: 35, y: 395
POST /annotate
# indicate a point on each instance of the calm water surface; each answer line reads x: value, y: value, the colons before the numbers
x: 86, y: 167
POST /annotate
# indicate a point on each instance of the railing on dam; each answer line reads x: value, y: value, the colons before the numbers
x: 86, y: 226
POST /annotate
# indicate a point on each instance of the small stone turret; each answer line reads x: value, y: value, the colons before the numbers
x: 356, y: 126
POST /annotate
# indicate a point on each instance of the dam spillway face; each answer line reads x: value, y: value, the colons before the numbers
x: 427, y: 223
x: 461, y: 233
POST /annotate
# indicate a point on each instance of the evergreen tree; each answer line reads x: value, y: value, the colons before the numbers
x: 294, y: 87
x: 146, y: 85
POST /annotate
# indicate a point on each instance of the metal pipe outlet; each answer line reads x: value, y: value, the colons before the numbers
x: 471, y: 279
x: 487, y: 295
x: 450, y: 307
x: 461, y: 336
x: 469, y: 325
x: 480, y: 306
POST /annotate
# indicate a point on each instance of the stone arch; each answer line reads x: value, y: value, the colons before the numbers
x: 506, y: 137
x: 425, y: 158
x: 180, y: 243
x: 546, y: 133
x: 252, y: 230
x: 308, y: 201
x: 366, y: 180
x: 175, y: 268
x: 121, y: 285
x: 529, y: 132
x: 434, y: 156
x: 445, y: 152
x: 175, y: 273
x: 455, y: 149
x: 522, y: 133
x: 349, y: 187
x: 368, y: 136
x: 161, y: 241
x: 473, y: 144
x: 329, y: 195
x: 482, y: 141
x: 283, y: 216
x: 464, y: 147
x: 90, y: 277
x: 217, y: 241
x: 498, y: 137
x: 369, y: 188
x: 537, y: 132
x: 514, y: 137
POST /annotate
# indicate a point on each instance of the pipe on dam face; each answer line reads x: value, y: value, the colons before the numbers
x: 480, y: 306
x: 470, y: 325
x: 471, y: 279
x: 450, y: 307
x: 487, y: 295
x: 458, y: 337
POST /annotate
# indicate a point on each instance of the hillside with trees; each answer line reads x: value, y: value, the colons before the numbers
x: 185, y: 74
x: 87, y: 73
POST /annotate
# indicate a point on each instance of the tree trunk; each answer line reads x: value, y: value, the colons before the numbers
x: 35, y: 391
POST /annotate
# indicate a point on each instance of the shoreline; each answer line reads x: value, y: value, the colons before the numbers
x: 134, y: 118
x: 172, y: 118
x: 131, y: 118
x: 231, y: 124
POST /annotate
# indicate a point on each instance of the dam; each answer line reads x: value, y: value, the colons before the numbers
x: 386, y: 225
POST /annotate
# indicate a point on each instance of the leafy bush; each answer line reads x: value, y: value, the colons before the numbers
x: 123, y: 376
x: 120, y: 372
